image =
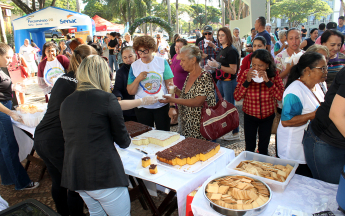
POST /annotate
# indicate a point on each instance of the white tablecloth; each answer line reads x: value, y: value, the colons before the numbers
x: 302, y: 193
x: 182, y: 183
x: 25, y: 143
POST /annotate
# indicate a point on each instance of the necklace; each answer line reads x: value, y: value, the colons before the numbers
x: 311, y: 91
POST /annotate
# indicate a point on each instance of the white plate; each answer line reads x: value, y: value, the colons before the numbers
x: 195, y: 167
x: 145, y: 172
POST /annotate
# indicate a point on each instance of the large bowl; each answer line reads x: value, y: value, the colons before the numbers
x: 235, y: 212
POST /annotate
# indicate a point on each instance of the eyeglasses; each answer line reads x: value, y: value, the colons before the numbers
x: 143, y: 51
x: 208, y: 33
x: 323, y: 69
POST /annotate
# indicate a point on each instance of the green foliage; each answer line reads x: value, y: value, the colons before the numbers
x: 95, y: 7
x: 62, y: 4
x: 161, y: 10
x: 16, y: 10
x: 297, y: 11
x: 198, y: 12
x: 155, y: 20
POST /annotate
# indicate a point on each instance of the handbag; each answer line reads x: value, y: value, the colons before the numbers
x: 24, y: 68
x: 276, y: 121
x: 219, y: 120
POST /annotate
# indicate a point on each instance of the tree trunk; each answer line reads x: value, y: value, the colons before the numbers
x: 67, y: 4
x: 78, y: 6
x: 223, y: 13
x: 342, y: 8
x: 2, y: 26
x: 268, y: 11
x: 23, y: 6
x: 129, y: 13
x: 169, y: 12
x: 205, y: 12
x: 177, y: 24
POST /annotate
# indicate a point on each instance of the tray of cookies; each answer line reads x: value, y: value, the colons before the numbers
x: 237, y: 195
x: 31, y: 114
x: 276, y: 172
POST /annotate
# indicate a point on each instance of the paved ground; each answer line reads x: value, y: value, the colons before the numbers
x: 42, y: 193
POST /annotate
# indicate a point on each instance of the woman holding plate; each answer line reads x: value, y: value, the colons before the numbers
x: 260, y: 87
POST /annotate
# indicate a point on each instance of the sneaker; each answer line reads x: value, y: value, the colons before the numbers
x: 32, y: 185
x: 231, y: 137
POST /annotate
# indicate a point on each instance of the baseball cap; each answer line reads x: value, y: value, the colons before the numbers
x: 208, y: 28
x: 331, y: 25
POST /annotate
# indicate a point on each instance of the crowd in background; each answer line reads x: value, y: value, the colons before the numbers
x: 289, y: 83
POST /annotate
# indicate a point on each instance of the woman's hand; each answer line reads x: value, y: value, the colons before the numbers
x: 263, y: 74
x: 148, y: 100
x: 213, y: 63
x: 15, y: 116
x: 173, y: 114
x: 167, y: 99
x: 250, y: 75
x: 142, y: 76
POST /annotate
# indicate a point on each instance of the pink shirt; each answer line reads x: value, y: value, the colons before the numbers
x: 318, y: 41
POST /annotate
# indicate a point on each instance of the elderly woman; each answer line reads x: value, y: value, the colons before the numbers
x: 258, y: 43
x: 197, y: 89
x: 226, y: 65
x: 293, y: 36
x: 92, y: 166
x: 11, y: 170
x: 268, y: 28
x: 105, y: 48
x: 127, y: 41
x: 280, y: 45
x: 89, y: 40
x: 172, y: 47
x: 310, y: 41
x: 151, y: 75
x: 260, y: 98
x: 301, y: 98
x: 236, y: 41
x: 333, y: 40
x: 51, y: 67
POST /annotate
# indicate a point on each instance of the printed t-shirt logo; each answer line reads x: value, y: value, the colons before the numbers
x: 52, y: 75
x: 152, y: 83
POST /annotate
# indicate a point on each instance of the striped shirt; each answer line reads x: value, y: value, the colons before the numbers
x: 211, y: 53
x: 334, y: 66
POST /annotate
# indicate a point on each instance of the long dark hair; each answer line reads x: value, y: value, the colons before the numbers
x: 265, y: 56
x: 47, y: 45
x: 308, y: 59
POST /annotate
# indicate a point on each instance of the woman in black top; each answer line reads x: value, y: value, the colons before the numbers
x: 11, y: 170
x: 172, y: 47
x: 49, y: 141
x: 324, y: 142
x: 120, y: 87
x: 226, y: 66
x: 309, y: 41
x: 91, y: 119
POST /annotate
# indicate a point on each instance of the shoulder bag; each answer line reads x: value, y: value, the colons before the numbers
x: 219, y: 120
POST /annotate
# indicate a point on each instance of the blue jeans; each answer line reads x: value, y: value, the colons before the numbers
x: 110, y: 201
x: 112, y: 62
x: 227, y: 89
x: 11, y: 170
x: 325, y: 161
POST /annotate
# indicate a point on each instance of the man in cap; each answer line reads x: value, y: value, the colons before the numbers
x: 209, y: 45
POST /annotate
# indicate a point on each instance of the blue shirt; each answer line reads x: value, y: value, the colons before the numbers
x: 342, y: 29
x: 266, y: 35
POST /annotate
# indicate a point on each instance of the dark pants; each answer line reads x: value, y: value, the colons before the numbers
x: 252, y: 125
x: 52, y: 153
x: 11, y: 170
x: 325, y: 161
x: 151, y: 117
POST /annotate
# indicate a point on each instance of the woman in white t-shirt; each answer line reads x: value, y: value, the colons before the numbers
x: 162, y: 47
x: 51, y: 67
x: 301, y: 98
x: 149, y: 76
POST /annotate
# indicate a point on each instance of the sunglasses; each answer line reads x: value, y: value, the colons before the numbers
x: 208, y: 33
x: 143, y: 51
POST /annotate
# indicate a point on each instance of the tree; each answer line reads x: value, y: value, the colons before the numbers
x: 236, y: 9
x: 297, y: 11
x: 198, y: 12
x: 26, y: 9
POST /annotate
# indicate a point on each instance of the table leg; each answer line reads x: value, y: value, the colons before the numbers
x: 167, y: 201
x: 28, y: 161
x: 141, y: 199
x: 172, y: 207
x: 147, y: 195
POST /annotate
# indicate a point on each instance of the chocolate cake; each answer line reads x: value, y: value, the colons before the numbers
x: 188, y: 151
x: 135, y: 129
x: 153, y: 169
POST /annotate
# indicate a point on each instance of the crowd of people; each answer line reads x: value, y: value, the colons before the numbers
x: 284, y: 73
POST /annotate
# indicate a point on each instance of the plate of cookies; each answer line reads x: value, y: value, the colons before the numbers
x: 237, y: 195
x: 148, y: 167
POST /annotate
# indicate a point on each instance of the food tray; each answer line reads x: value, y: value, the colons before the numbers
x: 151, y: 149
x: 195, y: 167
x: 236, y: 212
x: 32, y: 119
x: 275, y: 185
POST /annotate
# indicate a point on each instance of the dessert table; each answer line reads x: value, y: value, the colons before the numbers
x: 302, y: 194
x: 181, y: 183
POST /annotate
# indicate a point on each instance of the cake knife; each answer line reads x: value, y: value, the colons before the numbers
x: 141, y: 151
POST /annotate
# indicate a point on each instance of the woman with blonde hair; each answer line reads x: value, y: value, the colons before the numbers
x: 49, y: 141
x: 92, y: 166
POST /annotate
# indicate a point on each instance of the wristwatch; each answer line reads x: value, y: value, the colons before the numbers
x: 220, y: 65
x: 172, y: 106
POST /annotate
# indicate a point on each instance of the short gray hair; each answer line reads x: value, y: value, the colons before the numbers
x: 281, y: 34
x: 268, y: 24
x: 88, y: 38
x: 236, y: 29
x: 317, y: 47
x: 193, y: 51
